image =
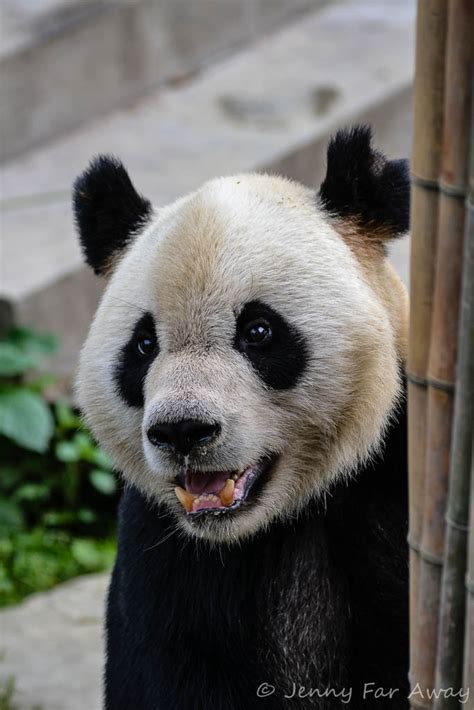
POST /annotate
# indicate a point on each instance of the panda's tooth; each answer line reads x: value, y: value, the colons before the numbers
x: 227, y: 493
x: 185, y: 498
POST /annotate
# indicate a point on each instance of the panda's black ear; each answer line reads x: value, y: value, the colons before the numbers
x: 108, y: 211
x: 362, y: 185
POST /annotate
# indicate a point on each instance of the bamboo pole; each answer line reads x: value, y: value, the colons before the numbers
x: 467, y: 322
x: 449, y: 671
x: 443, y: 339
x: 468, y: 674
x: 426, y: 161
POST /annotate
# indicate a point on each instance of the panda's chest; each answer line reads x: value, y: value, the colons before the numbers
x: 263, y: 608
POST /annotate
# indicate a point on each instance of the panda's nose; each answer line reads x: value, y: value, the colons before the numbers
x: 183, y: 436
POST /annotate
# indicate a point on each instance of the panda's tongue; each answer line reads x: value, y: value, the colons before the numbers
x: 206, y: 481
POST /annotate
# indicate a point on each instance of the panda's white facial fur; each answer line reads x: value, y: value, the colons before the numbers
x: 248, y: 313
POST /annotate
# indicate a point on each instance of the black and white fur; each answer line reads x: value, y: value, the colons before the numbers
x: 304, y: 584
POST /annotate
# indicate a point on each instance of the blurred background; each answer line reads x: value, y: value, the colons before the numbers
x: 181, y: 91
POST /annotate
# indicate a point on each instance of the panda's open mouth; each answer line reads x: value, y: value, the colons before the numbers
x: 218, y: 492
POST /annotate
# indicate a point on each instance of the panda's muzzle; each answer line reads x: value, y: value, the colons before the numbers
x: 201, y: 492
x: 218, y: 492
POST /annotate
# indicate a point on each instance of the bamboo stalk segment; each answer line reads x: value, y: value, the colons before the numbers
x: 444, y: 327
x: 426, y: 163
x: 466, y: 365
x: 449, y: 671
x: 468, y: 674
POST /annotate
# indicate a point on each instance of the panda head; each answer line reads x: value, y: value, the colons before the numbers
x: 247, y: 350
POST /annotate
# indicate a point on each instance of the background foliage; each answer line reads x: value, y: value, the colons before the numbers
x: 58, y: 493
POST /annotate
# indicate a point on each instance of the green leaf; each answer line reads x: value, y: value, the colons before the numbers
x: 22, y: 349
x: 11, y: 517
x: 88, y: 451
x: 9, y: 477
x: 7, y: 548
x: 65, y: 416
x: 85, y: 444
x: 86, y: 516
x: 103, y: 481
x: 85, y: 552
x: 99, y: 458
x: 26, y: 419
x: 13, y: 361
x: 67, y: 451
x: 31, y: 492
x: 31, y: 342
x: 40, y: 384
x: 53, y: 518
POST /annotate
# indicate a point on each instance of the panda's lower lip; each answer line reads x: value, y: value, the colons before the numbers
x: 209, y: 504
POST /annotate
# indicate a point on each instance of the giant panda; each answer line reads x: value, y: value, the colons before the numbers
x: 245, y: 372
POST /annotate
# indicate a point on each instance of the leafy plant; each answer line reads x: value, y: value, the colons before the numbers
x: 7, y: 692
x: 24, y: 415
x: 57, y: 489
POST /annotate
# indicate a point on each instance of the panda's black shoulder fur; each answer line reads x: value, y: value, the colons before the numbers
x: 108, y: 211
x: 320, y: 601
x: 362, y: 184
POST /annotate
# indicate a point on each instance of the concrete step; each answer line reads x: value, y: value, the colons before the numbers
x: 271, y: 107
x: 51, y: 645
x: 65, y: 61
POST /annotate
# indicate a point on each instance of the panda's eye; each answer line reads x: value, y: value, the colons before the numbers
x: 257, y: 332
x: 146, y: 344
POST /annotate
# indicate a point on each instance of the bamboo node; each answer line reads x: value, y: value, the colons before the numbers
x: 462, y: 527
x: 457, y: 191
x: 413, y: 545
x: 430, y: 382
x: 431, y: 559
x: 427, y: 183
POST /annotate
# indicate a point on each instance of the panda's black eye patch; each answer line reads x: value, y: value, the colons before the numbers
x: 276, y: 349
x: 135, y: 359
